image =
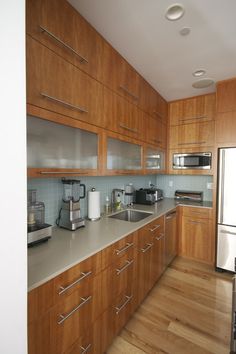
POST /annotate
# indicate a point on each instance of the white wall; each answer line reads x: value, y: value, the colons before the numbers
x: 12, y: 179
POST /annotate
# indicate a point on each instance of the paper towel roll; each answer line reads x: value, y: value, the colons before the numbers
x: 94, y: 205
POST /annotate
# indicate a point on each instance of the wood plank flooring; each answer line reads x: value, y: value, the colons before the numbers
x: 187, y: 312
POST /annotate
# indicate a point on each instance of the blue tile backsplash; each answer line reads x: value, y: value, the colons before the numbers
x: 50, y: 190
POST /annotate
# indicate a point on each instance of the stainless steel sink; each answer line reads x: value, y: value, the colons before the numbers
x: 131, y: 215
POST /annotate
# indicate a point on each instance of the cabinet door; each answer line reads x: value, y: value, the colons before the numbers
x: 123, y: 117
x: 191, y: 110
x: 56, y: 85
x: 194, y: 134
x: 118, y: 75
x: 160, y: 109
x: 196, y: 239
x: 170, y: 237
x: 123, y: 156
x: 157, y: 257
x: 226, y: 96
x: 57, y: 25
x: 154, y: 159
x: 226, y: 129
x: 155, y: 131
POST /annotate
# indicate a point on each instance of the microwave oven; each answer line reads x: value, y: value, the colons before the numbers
x: 192, y: 161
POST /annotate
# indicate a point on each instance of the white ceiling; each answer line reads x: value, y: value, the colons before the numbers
x: 141, y: 34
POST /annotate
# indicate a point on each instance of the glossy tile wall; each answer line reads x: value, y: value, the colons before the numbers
x: 171, y: 183
x: 50, y: 191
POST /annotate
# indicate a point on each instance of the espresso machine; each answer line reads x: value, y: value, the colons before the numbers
x: 70, y: 215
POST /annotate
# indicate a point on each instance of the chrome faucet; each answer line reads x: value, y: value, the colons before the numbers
x: 113, y: 197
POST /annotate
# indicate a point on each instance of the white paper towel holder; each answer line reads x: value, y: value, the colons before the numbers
x: 98, y: 218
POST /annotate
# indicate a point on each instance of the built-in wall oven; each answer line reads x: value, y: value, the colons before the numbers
x: 199, y: 161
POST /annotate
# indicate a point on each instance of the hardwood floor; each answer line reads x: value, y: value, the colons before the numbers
x: 187, y: 312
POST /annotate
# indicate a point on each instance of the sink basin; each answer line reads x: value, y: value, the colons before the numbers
x: 131, y: 215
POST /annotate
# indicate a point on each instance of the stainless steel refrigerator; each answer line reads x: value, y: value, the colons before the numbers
x: 226, y: 223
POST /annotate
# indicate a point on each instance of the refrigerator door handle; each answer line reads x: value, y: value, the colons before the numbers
x: 228, y: 232
x: 221, y: 185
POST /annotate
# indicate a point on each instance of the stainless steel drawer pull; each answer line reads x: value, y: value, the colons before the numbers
x: 82, y: 59
x: 62, y: 289
x: 191, y: 118
x: 61, y: 173
x: 155, y: 227
x: 171, y: 215
x: 119, y: 308
x: 128, y: 128
x: 149, y: 245
x: 80, y: 109
x: 129, y: 93
x: 158, y: 114
x: 192, y: 143
x: 85, y: 350
x: 64, y: 317
x: 196, y: 222
x: 128, y: 263
x: 157, y: 141
x: 160, y: 237
x: 127, y: 246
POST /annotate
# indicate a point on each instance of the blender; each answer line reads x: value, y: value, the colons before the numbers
x: 38, y: 230
x: 70, y: 215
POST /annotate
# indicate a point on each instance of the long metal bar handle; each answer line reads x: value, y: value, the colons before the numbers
x: 128, y: 128
x: 171, y: 215
x: 196, y: 117
x: 128, y: 263
x: 192, y: 143
x: 195, y: 222
x: 221, y: 186
x: 227, y: 232
x: 62, y: 289
x: 82, y: 59
x: 158, y: 114
x: 65, y: 317
x: 61, y: 172
x: 149, y: 245
x: 160, y: 237
x: 85, y: 350
x: 155, y: 227
x: 129, y: 93
x: 119, y: 308
x: 80, y: 109
x: 128, y: 245
x: 157, y: 141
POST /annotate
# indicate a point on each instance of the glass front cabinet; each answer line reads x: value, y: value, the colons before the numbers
x: 154, y: 160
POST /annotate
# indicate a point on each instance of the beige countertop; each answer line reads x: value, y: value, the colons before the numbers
x: 67, y: 248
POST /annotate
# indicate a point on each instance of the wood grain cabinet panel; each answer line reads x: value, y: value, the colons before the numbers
x: 226, y: 96
x: 56, y: 85
x: 156, y: 131
x: 191, y: 110
x: 123, y: 117
x: 192, y: 135
x: 118, y: 75
x: 57, y: 25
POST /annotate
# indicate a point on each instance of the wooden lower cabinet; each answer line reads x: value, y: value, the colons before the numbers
x: 196, y: 236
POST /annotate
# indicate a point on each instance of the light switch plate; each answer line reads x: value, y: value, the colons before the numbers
x: 209, y: 185
x: 170, y: 183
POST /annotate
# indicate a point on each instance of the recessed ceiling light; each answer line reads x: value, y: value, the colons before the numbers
x: 203, y: 83
x: 199, y: 73
x: 185, y: 31
x: 174, y: 12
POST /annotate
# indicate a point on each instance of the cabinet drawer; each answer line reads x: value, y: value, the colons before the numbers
x: 124, y: 247
x: 90, y: 343
x: 71, y: 318
x: 76, y: 277
x: 58, y: 86
x: 117, y: 277
x: 194, y: 134
x: 150, y: 231
x: 57, y: 25
x: 194, y: 212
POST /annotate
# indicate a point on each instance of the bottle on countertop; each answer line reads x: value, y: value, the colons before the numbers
x: 118, y: 202
x: 107, y: 208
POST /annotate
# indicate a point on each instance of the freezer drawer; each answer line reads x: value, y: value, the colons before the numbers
x: 226, y: 247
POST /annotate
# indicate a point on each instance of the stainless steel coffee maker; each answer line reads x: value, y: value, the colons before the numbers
x: 70, y: 215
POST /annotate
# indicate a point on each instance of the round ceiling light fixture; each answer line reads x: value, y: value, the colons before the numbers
x: 203, y: 83
x: 174, y: 12
x: 185, y: 31
x: 199, y: 73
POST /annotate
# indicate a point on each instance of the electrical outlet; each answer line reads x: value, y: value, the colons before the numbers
x: 149, y: 184
x: 170, y: 183
x: 209, y: 185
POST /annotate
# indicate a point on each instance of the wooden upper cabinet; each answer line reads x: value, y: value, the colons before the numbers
x: 226, y: 96
x: 56, y: 24
x: 122, y: 116
x: 58, y: 86
x: 155, y: 131
x: 191, y: 110
x: 118, y: 75
x: 192, y: 135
